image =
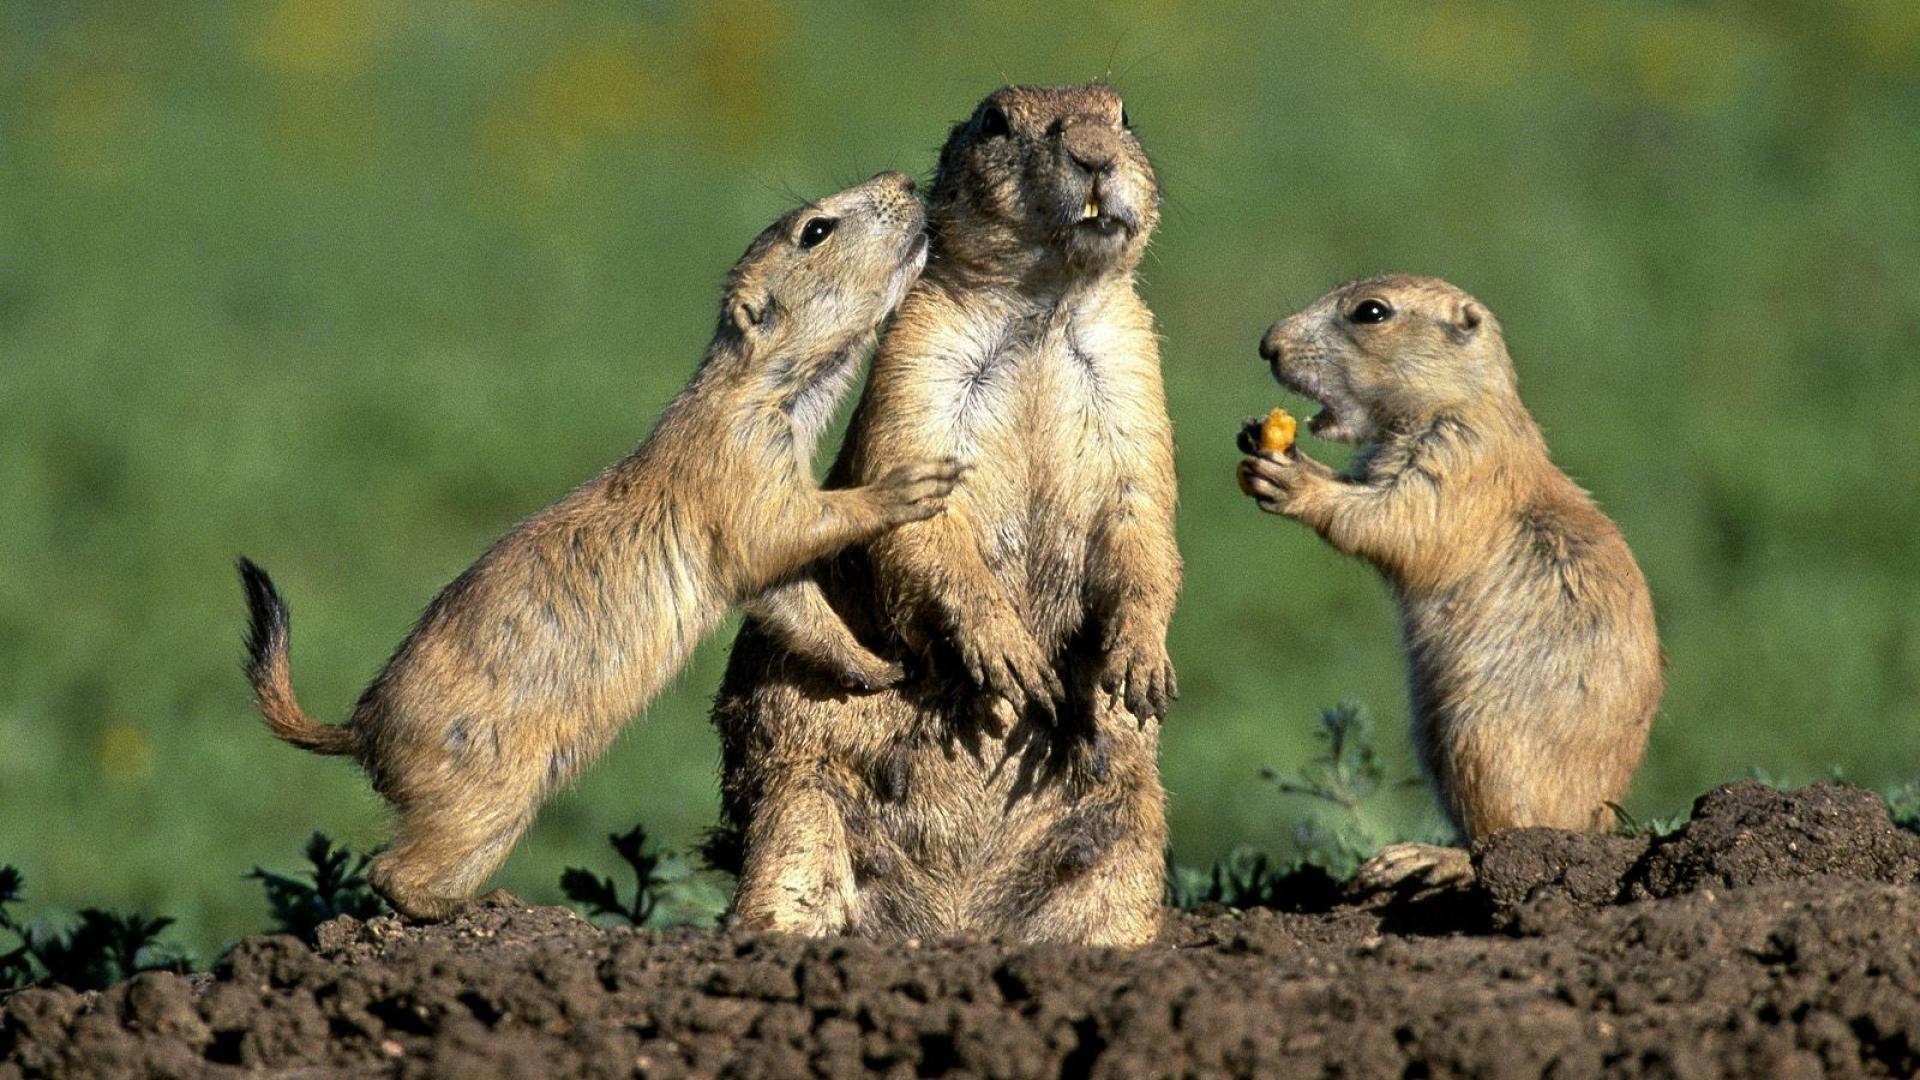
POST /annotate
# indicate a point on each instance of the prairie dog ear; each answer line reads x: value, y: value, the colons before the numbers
x: 1467, y: 317
x: 749, y: 314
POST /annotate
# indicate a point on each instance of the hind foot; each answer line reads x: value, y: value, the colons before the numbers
x: 428, y: 908
x: 498, y: 898
x: 424, y: 907
x: 416, y: 902
x: 1412, y: 868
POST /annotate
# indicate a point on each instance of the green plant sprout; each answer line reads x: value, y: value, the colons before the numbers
x: 1346, y: 776
x: 104, y: 948
x: 338, y: 886
x: 668, y: 890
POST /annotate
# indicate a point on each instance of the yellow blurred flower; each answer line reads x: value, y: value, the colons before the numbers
x: 1473, y: 48
x: 1886, y: 33
x: 587, y: 91
x: 306, y: 38
x: 124, y: 752
x: 734, y: 51
x: 90, y: 116
x: 1687, y: 59
x: 1679, y: 59
x: 321, y: 115
x: 594, y: 88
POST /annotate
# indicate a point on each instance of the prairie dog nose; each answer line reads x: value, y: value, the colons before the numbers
x: 1270, y: 347
x: 1090, y: 148
x: 1097, y: 164
x: 899, y: 179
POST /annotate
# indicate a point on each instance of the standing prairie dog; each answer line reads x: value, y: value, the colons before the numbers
x: 1011, y: 786
x: 524, y: 668
x: 1535, y: 665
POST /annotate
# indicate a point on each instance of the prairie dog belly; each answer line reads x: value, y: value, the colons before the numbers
x: 1046, y: 478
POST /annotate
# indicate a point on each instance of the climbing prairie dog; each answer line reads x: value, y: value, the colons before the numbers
x: 1010, y: 786
x: 525, y: 667
x: 1535, y: 665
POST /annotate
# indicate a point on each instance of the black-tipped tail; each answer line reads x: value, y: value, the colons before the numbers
x: 268, y: 632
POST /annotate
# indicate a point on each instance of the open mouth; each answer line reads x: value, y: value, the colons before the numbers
x: 1325, y: 424
x: 1097, y: 219
x: 1330, y: 423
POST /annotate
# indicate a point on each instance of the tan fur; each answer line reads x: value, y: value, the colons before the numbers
x: 1009, y: 786
x: 1535, y: 665
x: 523, y: 670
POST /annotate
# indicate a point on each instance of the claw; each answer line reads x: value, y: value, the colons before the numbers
x: 1035, y: 689
x: 1404, y: 867
x: 1248, y: 439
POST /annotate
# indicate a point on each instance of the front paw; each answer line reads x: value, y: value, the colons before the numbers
x: 1136, y: 671
x: 867, y: 673
x: 1003, y: 659
x: 917, y: 491
x: 1274, y: 480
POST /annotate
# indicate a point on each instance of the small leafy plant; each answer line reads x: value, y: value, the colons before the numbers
x: 1836, y: 774
x: 1903, y: 805
x: 668, y: 890
x: 1346, y: 776
x: 600, y: 896
x: 1625, y: 824
x: 102, y: 949
x: 15, y: 972
x: 1244, y: 879
x: 337, y: 886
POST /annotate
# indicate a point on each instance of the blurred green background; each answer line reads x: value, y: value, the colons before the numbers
x: 353, y: 285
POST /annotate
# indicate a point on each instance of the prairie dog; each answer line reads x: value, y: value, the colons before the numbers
x: 1009, y: 786
x: 524, y: 668
x: 1534, y: 661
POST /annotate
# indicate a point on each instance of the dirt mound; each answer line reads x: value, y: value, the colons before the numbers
x: 1750, y: 834
x: 1772, y: 936
x: 1740, y: 835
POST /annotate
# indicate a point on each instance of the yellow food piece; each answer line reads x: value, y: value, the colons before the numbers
x: 1276, y: 434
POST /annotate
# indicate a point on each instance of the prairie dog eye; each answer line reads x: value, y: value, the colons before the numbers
x: 1370, y: 311
x: 817, y: 230
x: 1125, y: 120
x: 993, y: 123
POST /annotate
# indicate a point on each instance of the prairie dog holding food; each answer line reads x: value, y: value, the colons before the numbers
x: 1010, y: 786
x: 524, y: 668
x: 1535, y: 664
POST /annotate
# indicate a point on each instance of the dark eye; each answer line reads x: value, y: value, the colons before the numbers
x: 1125, y: 120
x: 993, y: 123
x: 817, y: 230
x: 1371, y: 311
